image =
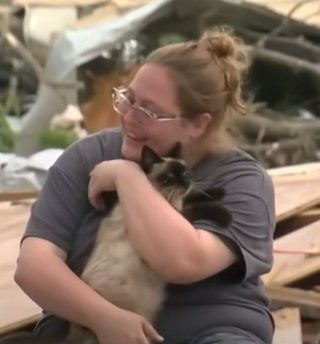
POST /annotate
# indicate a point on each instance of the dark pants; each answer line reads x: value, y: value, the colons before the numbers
x: 226, y: 335
x: 223, y: 335
x: 218, y: 335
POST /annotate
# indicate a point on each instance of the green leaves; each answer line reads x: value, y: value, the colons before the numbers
x: 7, y: 137
x: 57, y: 138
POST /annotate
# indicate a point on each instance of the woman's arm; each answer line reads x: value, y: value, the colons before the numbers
x: 164, y: 238
x: 43, y: 275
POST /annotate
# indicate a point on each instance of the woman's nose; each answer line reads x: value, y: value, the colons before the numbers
x: 131, y: 124
x: 129, y: 116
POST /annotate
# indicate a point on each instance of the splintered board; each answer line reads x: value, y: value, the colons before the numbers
x: 294, y: 195
x: 288, y: 326
x: 16, y: 309
x: 289, y: 267
x: 307, y: 301
x: 296, y: 188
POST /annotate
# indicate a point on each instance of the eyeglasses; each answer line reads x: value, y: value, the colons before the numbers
x: 143, y: 116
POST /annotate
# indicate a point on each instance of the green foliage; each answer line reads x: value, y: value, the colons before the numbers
x: 10, y: 105
x: 12, y: 102
x: 170, y: 38
x: 7, y: 137
x: 57, y: 138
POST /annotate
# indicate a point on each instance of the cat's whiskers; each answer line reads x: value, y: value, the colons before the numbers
x: 165, y: 191
x: 201, y: 183
x: 205, y: 193
x: 197, y: 179
x: 170, y: 198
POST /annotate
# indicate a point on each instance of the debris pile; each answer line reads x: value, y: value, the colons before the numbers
x: 283, y: 82
x: 293, y: 283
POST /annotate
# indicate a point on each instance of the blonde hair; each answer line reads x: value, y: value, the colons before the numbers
x: 208, y: 75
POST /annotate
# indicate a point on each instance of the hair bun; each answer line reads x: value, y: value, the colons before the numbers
x: 220, y: 46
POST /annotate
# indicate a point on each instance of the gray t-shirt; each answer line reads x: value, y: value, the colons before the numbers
x: 63, y: 215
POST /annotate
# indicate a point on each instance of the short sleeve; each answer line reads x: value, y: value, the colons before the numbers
x: 250, y: 199
x: 62, y: 202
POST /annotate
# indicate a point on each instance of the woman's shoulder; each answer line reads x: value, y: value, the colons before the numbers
x: 240, y: 175
x: 102, y: 145
x: 232, y: 166
x: 87, y: 152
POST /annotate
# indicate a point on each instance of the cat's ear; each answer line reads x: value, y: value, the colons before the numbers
x: 148, y: 158
x: 175, y: 152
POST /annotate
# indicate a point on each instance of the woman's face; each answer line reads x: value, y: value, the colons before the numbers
x: 153, y: 90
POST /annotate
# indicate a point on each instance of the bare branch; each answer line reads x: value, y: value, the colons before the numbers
x: 284, y: 24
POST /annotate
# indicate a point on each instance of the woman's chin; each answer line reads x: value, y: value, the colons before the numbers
x: 131, y: 152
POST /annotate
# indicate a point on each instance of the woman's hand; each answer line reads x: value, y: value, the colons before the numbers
x: 103, y: 178
x: 123, y: 327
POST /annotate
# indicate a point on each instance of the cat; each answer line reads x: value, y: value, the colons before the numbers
x: 114, y: 269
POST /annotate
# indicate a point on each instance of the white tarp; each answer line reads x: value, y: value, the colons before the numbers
x: 18, y: 173
x: 72, y: 49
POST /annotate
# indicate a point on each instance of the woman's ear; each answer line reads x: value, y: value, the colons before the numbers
x: 200, y: 125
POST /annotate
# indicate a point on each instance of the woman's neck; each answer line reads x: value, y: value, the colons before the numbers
x: 193, y: 156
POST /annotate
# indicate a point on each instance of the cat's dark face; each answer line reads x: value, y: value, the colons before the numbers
x: 169, y: 174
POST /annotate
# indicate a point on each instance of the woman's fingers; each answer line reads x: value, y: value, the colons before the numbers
x: 94, y: 194
x: 151, y: 333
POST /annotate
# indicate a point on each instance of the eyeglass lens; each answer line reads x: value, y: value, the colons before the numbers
x: 123, y: 106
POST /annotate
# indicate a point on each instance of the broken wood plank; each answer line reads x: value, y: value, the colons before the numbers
x: 309, y: 216
x: 16, y: 309
x: 298, y: 266
x: 294, y: 170
x: 310, y: 331
x: 7, y: 196
x: 297, y: 221
x: 307, y: 301
x: 288, y: 326
x: 58, y: 3
x: 293, y: 197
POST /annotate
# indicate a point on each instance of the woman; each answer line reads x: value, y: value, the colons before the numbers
x: 184, y: 92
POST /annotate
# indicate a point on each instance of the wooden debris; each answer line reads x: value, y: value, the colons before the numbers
x: 298, y: 266
x: 288, y: 326
x: 308, y: 302
x: 23, y: 311
x: 310, y: 331
x: 293, y: 197
x: 305, y: 171
x: 17, y: 195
